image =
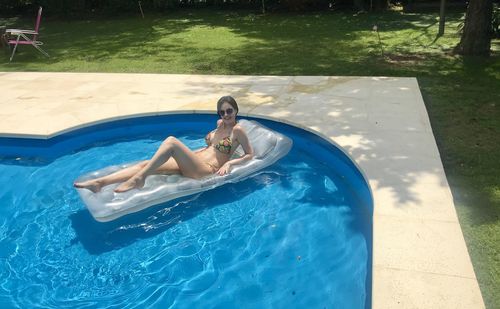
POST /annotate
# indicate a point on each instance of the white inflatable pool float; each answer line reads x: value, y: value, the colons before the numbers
x: 106, y: 205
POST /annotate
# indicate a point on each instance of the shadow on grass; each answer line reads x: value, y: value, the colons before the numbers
x: 311, y: 44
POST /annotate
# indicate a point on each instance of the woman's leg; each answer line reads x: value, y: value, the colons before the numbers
x: 187, y: 161
x: 95, y: 185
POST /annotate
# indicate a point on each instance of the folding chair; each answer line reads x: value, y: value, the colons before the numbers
x: 26, y: 37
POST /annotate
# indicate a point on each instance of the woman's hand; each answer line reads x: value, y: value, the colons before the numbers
x: 224, y: 169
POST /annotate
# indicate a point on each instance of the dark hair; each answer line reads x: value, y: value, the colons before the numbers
x: 227, y: 99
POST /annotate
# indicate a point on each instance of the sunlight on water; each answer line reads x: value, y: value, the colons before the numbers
x: 291, y: 235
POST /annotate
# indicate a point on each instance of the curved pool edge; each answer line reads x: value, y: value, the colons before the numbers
x: 68, y: 133
x: 324, y: 137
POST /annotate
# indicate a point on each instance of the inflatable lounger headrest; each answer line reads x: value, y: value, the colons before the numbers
x: 106, y: 205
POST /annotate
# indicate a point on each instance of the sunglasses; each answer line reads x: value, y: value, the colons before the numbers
x: 228, y: 111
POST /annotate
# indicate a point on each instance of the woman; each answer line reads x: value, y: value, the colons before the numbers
x: 173, y: 157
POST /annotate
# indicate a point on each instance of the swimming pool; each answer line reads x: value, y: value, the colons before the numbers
x: 299, y: 233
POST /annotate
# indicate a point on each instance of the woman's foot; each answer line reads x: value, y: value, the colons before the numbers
x: 132, y: 183
x: 92, y: 185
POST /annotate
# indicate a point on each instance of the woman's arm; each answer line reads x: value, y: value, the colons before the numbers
x: 241, y: 136
x: 209, y: 137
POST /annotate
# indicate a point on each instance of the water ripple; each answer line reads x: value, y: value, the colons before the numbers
x: 276, y: 239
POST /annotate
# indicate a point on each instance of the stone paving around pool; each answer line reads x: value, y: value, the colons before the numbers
x: 420, y: 259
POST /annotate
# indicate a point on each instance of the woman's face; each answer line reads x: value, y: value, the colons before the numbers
x: 227, y: 113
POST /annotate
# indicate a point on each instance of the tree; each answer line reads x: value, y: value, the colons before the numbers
x: 476, y: 35
x: 441, y: 17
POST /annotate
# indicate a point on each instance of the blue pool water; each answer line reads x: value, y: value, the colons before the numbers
x: 295, y: 235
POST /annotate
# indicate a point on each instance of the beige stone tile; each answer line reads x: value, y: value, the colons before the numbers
x: 63, y: 123
x: 387, y: 91
x: 240, y: 92
x: 82, y: 100
x: 401, y: 170
x: 175, y: 105
x: 107, y: 78
x: 15, y: 108
x: 136, y: 107
x: 251, y: 80
x: 310, y: 80
x: 199, y: 105
x: 315, y: 111
x: 137, y: 98
x: 197, y: 90
x: 249, y: 101
x: 264, y: 89
x: 38, y: 110
x: 204, y: 79
x: 409, y: 82
x: 55, y: 105
x: 235, y: 90
x: 331, y: 86
x: 393, y: 288
x: 359, y: 89
x: 391, y: 144
x: 9, y: 126
x: 416, y: 201
x: 272, y: 114
x: 395, y: 122
x: 24, y: 76
x: 163, y: 79
x: 394, y: 159
x: 13, y: 88
x: 85, y: 91
x: 207, y: 100
x: 420, y: 245
x: 342, y: 87
x: 392, y: 106
x: 27, y: 124
x: 93, y: 112
x: 112, y: 91
x: 341, y: 128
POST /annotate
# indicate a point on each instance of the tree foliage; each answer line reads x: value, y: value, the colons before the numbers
x: 74, y: 8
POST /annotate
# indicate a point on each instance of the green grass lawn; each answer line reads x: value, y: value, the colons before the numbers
x: 461, y: 95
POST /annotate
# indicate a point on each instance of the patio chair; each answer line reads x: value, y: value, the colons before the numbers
x: 26, y: 37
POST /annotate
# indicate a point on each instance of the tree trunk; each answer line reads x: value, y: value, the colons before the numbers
x: 476, y: 36
x: 441, y: 17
